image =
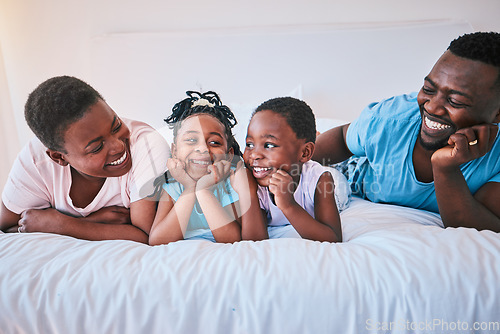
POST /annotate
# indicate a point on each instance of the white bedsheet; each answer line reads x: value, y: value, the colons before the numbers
x: 397, y: 268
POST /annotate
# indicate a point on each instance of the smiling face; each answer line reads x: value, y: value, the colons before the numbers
x: 271, y: 145
x: 201, y: 140
x: 97, y: 145
x: 457, y: 93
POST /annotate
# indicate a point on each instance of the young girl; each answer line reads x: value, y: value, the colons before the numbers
x: 87, y: 173
x: 205, y: 196
x: 296, y: 193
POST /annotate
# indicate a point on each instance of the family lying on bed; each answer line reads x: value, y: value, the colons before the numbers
x: 92, y: 175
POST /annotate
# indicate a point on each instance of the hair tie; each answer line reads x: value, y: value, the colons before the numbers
x: 202, y: 102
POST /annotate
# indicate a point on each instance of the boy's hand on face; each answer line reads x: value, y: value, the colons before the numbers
x: 282, y: 186
x: 216, y: 173
x: 111, y: 215
x: 465, y: 145
x: 177, y: 169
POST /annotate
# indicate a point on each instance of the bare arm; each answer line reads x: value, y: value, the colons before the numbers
x: 324, y: 227
x: 331, y: 146
x: 8, y: 219
x: 223, y: 225
x: 253, y: 221
x: 52, y: 221
x: 172, y: 218
x: 89, y: 228
x: 457, y: 206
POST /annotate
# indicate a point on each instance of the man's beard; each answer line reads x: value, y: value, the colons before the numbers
x: 432, y: 146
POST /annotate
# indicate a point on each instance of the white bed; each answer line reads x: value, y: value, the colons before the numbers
x: 398, y: 270
x: 397, y: 267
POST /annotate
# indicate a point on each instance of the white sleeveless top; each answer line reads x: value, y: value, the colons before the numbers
x: 304, y: 194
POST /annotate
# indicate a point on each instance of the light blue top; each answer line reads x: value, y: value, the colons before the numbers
x: 198, y: 227
x: 384, y: 137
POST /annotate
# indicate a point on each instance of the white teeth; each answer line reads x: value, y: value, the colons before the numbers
x: 119, y: 161
x: 435, y: 125
x: 261, y: 169
x: 200, y: 162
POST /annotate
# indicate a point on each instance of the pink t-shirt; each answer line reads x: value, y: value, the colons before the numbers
x: 37, y: 182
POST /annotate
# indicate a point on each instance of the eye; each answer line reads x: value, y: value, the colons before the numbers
x: 270, y: 145
x: 190, y: 140
x: 456, y: 104
x: 427, y: 90
x: 215, y: 143
x: 117, y: 127
x: 249, y: 145
x: 97, y: 149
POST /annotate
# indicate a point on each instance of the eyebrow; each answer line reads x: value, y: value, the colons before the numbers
x: 269, y: 136
x: 195, y: 131
x: 452, y: 91
x: 115, y: 118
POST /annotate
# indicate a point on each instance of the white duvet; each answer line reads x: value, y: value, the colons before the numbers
x: 397, y: 271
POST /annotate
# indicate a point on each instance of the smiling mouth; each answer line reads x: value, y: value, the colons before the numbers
x: 200, y: 162
x: 261, y: 172
x: 433, y: 125
x: 119, y: 161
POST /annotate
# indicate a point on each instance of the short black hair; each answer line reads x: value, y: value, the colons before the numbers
x: 56, y: 104
x: 479, y: 46
x: 297, y: 113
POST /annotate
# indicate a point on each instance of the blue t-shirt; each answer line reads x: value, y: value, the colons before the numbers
x: 198, y: 227
x: 383, y: 138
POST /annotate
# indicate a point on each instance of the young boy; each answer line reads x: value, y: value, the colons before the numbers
x: 87, y: 173
x: 297, y: 194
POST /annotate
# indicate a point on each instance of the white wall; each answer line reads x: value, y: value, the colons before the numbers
x: 40, y: 39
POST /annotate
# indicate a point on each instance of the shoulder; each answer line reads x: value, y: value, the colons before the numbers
x: 401, y: 107
x: 173, y: 188
x: 147, y: 145
x: 312, y: 171
x: 140, y: 131
x: 34, y: 155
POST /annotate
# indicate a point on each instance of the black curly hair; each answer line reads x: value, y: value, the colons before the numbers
x: 204, y: 103
x: 480, y: 46
x: 56, y: 104
x: 297, y: 113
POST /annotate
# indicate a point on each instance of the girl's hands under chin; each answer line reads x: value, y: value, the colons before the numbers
x: 177, y: 169
x: 216, y: 173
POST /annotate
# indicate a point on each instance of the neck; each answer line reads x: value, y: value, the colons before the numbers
x: 422, y: 163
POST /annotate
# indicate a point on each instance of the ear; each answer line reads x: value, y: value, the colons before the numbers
x: 307, y: 152
x: 173, y: 150
x: 230, y: 154
x: 497, y: 117
x: 57, y: 157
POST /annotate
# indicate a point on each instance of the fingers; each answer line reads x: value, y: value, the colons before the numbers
x: 280, y: 181
x: 477, y: 139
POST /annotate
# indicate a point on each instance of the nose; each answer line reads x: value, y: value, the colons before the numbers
x: 255, y: 154
x: 116, y: 145
x: 201, y: 147
x: 435, y: 104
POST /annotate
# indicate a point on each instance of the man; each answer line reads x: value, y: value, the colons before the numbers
x: 438, y: 150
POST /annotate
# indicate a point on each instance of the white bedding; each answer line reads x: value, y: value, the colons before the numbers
x: 397, y: 268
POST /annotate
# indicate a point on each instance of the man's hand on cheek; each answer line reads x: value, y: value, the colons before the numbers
x: 465, y: 145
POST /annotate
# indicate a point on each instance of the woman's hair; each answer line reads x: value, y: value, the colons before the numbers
x: 207, y: 103
x: 56, y: 104
x: 297, y: 113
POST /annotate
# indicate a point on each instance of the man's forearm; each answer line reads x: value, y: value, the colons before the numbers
x: 457, y: 206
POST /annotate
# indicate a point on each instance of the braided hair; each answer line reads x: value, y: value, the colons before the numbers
x: 204, y: 103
